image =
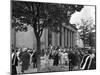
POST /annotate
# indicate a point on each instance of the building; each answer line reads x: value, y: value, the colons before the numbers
x: 66, y: 38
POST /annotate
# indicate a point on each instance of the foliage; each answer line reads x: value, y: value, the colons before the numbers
x: 41, y: 15
x: 87, y: 32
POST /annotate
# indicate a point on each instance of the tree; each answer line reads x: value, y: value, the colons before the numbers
x: 92, y: 39
x: 42, y: 15
x: 17, y: 26
x: 87, y: 32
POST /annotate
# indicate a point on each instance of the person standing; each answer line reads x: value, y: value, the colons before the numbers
x: 56, y: 58
x: 25, y: 58
x: 71, y: 57
x: 14, y: 63
x: 34, y: 59
x: 87, y: 61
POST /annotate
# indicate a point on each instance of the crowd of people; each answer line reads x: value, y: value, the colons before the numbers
x: 75, y: 58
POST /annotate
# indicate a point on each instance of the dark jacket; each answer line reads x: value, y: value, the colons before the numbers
x: 15, y: 60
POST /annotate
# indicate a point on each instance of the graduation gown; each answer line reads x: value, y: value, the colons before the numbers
x: 88, y: 63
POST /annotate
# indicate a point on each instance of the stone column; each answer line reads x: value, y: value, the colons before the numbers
x: 46, y: 38
x: 62, y: 37
x: 53, y: 39
x: 56, y: 39
x: 66, y: 37
x: 74, y: 39
x: 58, y: 35
x: 69, y: 38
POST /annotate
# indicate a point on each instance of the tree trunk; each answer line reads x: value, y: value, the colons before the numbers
x: 38, y: 54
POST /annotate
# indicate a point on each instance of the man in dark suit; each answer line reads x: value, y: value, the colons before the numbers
x: 56, y: 58
x: 34, y: 59
x: 14, y: 63
x: 25, y: 58
x: 72, y: 62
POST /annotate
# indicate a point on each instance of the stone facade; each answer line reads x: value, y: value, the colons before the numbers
x: 66, y: 38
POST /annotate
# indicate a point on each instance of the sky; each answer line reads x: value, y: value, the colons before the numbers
x: 86, y: 13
